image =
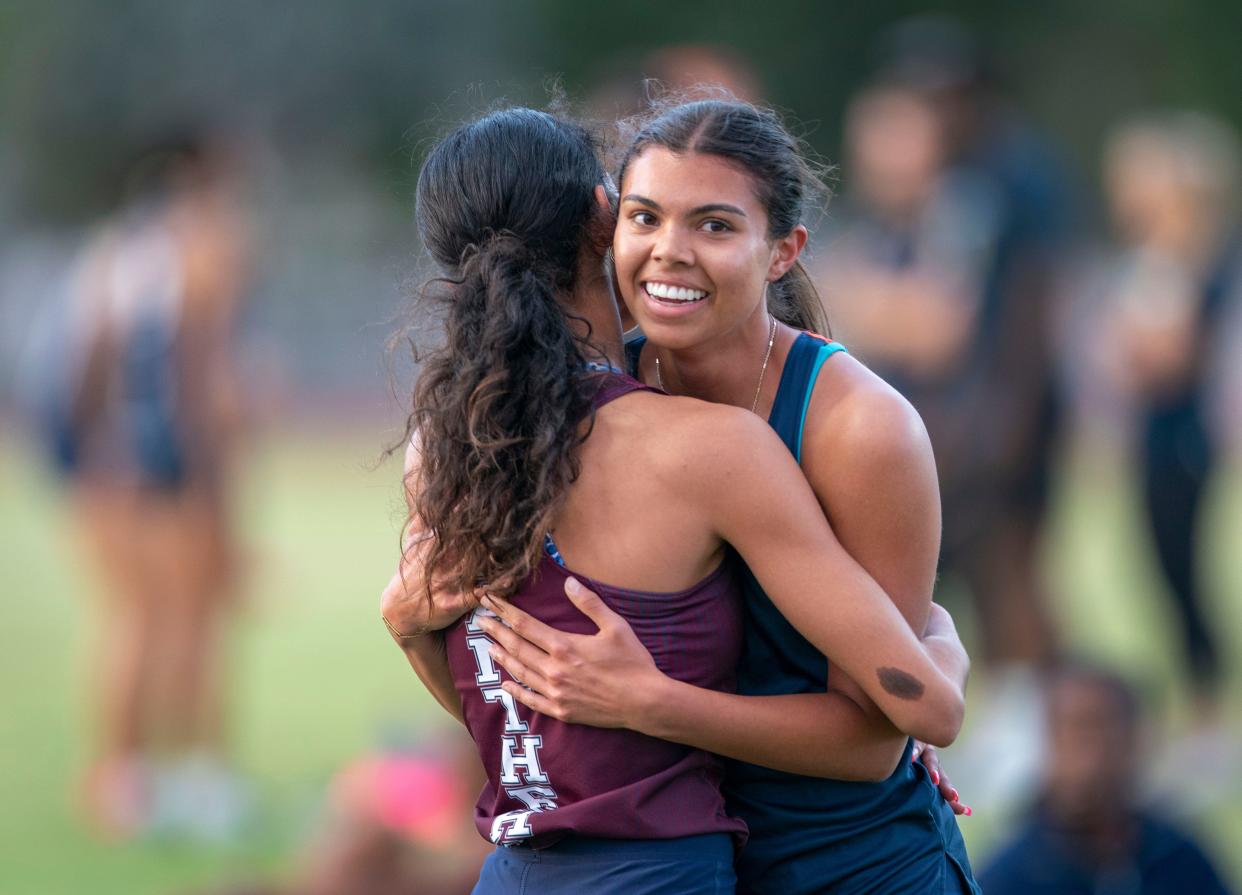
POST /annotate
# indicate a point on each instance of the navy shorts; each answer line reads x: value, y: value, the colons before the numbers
x: 693, y: 865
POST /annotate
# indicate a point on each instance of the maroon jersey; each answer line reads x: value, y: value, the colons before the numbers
x: 546, y: 778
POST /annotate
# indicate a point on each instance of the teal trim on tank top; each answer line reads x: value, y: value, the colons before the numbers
x: 826, y: 351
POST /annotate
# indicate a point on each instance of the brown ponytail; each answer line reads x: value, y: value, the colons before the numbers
x: 503, y: 204
x: 794, y: 300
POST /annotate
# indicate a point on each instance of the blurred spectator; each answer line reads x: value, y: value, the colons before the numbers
x: 136, y: 392
x: 1086, y: 836
x: 396, y: 822
x: 676, y: 68
x: 904, y: 269
x: 942, y: 275
x: 994, y: 417
x: 1172, y: 185
x: 400, y: 822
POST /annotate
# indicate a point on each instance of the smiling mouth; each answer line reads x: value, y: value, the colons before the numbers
x: 666, y: 292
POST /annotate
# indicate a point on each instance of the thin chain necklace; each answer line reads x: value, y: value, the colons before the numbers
x: 762, y: 370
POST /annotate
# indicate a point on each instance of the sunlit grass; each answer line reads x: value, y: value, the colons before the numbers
x: 316, y: 679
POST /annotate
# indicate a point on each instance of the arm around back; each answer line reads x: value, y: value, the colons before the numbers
x: 867, y: 456
x: 756, y: 497
x: 414, y: 613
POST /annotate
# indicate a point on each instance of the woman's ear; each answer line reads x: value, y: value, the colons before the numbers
x: 785, y: 252
x: 602, y: 223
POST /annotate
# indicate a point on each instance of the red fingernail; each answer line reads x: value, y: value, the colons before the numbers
x: 954, y: 796
x: 969, y: 811
x: 935, y: 777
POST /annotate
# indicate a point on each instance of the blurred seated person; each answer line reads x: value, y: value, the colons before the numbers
x: 399, y: 821
x: 396, y: 821
x: 1086, y: 835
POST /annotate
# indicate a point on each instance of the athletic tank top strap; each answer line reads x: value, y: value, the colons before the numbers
x: 793, y: 395
x: 613, y: 385
x: 633, y: 351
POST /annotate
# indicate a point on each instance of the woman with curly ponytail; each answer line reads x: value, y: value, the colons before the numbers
x: 534, y: 455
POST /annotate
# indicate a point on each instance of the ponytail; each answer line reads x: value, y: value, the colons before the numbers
x: 503, y: 404
x: 499, y: 411
x: 794, y: 300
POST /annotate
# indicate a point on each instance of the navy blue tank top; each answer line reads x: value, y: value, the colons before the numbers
x: 809, y: 834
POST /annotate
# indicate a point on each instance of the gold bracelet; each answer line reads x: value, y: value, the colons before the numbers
x: 398, y: 634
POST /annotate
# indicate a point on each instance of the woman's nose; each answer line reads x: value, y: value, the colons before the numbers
x: 673, y: 247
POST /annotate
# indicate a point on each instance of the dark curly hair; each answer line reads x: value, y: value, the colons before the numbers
x: 786, y: 179
x: 501, y: 407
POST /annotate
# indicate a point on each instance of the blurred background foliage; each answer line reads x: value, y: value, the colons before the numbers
x: 83, y: 82
x: 341, y: 97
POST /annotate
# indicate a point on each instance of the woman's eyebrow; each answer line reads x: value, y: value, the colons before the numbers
x: 717, y: 206
x: 642, y: 200
x: 701, y: 209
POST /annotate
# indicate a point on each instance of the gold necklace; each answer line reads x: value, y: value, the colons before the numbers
x: 762, y: 370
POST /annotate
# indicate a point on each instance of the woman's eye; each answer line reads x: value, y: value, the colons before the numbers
x: 643, y: 218
x: 715, y: 226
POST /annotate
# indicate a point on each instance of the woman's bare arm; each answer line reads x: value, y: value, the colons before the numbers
x: 425, y: 652
x: 868, y: 459
x: 610, y: 680
x: 415, y: 621
x: 756, y: 497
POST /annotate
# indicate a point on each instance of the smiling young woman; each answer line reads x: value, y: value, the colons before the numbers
x: 712, y: 198
x: 691, y: 267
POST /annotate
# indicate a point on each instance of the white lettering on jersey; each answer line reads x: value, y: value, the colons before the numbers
x: 513, y: 722
x: 511, y: 825
x: 472, y: 621
x: 536, y: 798
x: 528, y: 758
x: 516, y: 824
x: 517, y: 767
x: 488, y: 673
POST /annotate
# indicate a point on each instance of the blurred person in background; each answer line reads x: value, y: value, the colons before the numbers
x: 943, y: 273
x: 139, y: 401
x: 1172, y: 186
x: 398, y: 821
x: 1087, y: 834
x: 675, y: 68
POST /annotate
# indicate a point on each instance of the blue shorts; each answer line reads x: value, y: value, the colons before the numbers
x: 693, y: 865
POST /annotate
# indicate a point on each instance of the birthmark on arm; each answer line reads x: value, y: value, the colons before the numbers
x: 901, y: 684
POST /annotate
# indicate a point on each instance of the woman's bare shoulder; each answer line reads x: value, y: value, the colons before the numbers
x: 675, y: 433
x: 856, y: 416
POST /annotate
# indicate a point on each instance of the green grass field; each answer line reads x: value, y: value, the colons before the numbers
x: 317, y: 679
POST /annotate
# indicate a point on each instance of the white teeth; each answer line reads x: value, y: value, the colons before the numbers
x: 674, y: 293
